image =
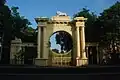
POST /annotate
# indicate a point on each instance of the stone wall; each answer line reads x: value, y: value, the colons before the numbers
x: 17, y: 48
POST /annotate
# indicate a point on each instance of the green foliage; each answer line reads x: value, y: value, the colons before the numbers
x: 5, y: 21
x: 110, y: 21
x: 2, y: 2
x: 89, y: 29
x: 19, y: 24
x: 6, y: 26
x: 105, y: 28
x: 12, y: 24
x: 21, y: 28
x: 30, y: 35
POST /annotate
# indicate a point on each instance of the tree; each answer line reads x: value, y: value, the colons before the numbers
x: 19, y: 23
x: 2, y: 2
x: 21, y: 27
x: 110, y: 19
x: 30, y: 35
x: 89, y: 29
x: 110, y: 23
x: 6, y: 25
x: 12, y: 25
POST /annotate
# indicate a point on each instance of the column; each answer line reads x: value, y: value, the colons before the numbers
x: 45, y: 44
x: 83, y: 53
x: 78, y: 45
x: 39, y: 42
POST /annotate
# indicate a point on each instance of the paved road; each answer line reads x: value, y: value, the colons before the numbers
x: 54, y: 70
x: 92, y: 72
x: 60, y: 77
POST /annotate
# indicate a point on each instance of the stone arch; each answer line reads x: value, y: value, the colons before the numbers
x: 46, y: 27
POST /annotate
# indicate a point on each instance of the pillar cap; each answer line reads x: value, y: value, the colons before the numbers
x: 80, y: 19
x: 41, y: 19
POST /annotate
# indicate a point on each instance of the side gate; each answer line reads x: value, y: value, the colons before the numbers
x: 23, y: 53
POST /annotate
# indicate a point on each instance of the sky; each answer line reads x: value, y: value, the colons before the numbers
x: 36, y: 8
x: 53, y: 43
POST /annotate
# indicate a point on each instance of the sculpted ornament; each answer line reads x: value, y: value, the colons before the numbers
x: 59, y: 13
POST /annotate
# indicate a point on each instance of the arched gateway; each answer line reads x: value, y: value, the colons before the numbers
x: 75, y: 27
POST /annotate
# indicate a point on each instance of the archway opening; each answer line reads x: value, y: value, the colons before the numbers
x: 61, y: 42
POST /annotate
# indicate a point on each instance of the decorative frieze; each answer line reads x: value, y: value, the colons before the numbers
x: 57, y: 22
